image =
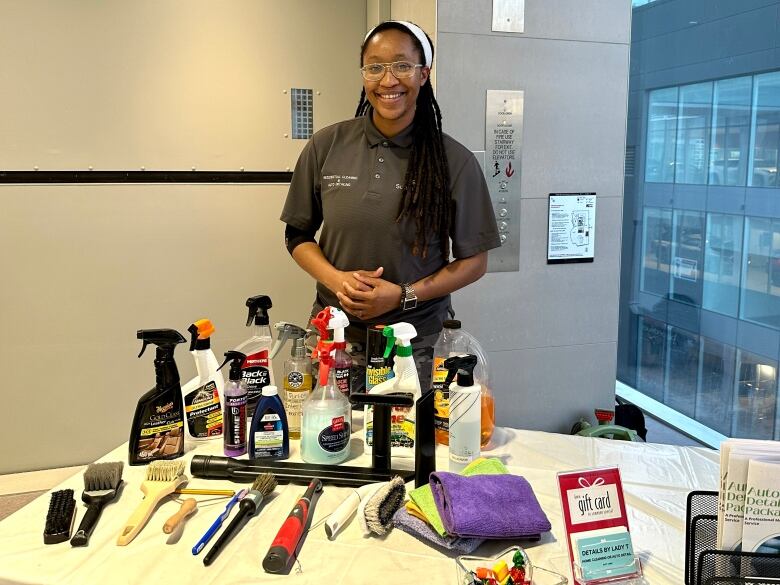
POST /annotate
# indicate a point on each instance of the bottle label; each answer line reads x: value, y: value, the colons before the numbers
x: 342, y: 380
x: 297, y: 387
x: 335, y: 437
x: 203, y: 411
x: 377, y: 374
x: 269, y: 436
x: 441, y: 396
x: 462, y: 459
x: 402, y: 431
x: 255, y: 372
x: 161, y: 432
x: 235, y: 422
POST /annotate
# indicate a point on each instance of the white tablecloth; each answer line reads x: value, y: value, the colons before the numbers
x: 656, y: 480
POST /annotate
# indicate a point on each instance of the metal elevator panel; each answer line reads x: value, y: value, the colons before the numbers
x: 502, y: 167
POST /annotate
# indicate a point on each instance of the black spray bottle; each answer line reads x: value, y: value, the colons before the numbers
x: 158, y: 425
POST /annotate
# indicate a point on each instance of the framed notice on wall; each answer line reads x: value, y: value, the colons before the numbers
x: 571, y: 227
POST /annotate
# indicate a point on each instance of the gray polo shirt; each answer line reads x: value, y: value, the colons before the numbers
x: 349, y: 181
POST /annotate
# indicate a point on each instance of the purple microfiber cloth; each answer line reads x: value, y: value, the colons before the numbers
x: 404, y: 521
x: 487, y: 506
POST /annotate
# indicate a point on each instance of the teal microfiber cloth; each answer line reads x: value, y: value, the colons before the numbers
x: 423, y: 496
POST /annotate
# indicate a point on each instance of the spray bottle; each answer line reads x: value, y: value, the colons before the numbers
x: 158, y: 423
x: 465, y: 411
x: 405, y: 379
x: 235, y: 406
x: 297, y: 373
x: 336, y: 319
x: 257, y: 370
x: 202, y: 395
x: 326, y: 416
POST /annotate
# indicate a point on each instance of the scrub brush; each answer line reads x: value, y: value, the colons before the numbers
x: 101, y: 485
x: 60, y: 517
x: 376, y: 513
x: 162, y: 478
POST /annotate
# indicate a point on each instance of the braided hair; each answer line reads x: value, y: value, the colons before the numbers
x: 426, y: 195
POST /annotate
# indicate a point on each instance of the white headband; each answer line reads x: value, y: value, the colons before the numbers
x: 419, y: 35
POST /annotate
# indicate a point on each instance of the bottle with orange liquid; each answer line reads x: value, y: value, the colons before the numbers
x: 453, y: 341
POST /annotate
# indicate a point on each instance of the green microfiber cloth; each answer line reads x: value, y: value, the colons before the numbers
x: 423, y: 497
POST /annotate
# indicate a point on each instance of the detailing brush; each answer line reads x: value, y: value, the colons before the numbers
x: 188, y: 506
x: 162, y: 478
x: 60, y: 517
x: 101, y: 485
x: 377, y: 514
x: 347, y: 508
x: 248, y: 507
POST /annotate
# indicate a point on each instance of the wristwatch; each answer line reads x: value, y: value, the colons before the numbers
x: 408, y: 297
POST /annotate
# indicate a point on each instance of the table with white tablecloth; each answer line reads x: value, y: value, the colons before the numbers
x: 656, y: 481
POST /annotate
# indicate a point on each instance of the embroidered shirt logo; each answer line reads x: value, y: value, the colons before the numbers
x: 338, y: 180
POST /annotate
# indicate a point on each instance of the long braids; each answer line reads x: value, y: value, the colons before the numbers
x: 426, y: 194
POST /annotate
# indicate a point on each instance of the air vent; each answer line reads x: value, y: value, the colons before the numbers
x: 302, y: 111
x: 629, y: 165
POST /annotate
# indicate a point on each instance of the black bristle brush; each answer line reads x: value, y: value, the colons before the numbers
x: 247, y: 507
x: 60, y: 517
x: 101, y: 485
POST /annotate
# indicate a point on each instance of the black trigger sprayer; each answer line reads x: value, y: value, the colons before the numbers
x: 462, y: 366
x: 158, y: 423
x: 258, y: 309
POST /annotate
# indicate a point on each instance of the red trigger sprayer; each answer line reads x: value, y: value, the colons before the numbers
x: 336, y: 319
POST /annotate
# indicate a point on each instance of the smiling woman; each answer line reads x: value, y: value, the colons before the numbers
x: 394, y: 196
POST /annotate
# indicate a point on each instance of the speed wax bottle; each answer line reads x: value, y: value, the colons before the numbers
x: 257, y: 369
x: 157, y: 431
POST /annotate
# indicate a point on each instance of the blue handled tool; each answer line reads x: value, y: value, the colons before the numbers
x: 218, y: 522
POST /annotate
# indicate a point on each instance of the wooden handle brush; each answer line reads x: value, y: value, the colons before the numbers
x: 188, y: 506
x: 162, y: 478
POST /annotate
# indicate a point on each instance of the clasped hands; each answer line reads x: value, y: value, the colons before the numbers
x: 365, y: 294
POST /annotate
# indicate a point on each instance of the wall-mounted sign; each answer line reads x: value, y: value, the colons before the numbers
x: 571, y: 227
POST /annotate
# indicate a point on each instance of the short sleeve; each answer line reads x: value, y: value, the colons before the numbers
x: 473, y: 229
x: 303, y: 206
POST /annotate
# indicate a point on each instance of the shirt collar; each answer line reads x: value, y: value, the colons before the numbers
x: 403, y: 139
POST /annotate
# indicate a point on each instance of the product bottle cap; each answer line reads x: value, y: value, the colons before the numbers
x: 258, y: 309
x: 451, y: 324
x: 270, y: 390
x: 236, y: 359
x: 200, y: 332
x: 463, y: 366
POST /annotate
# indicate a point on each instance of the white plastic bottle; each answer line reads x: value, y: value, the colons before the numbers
x: 465, y: 412
x: 405, y: 379
x: 257, y: 370
x: 326, y: 423
x: 451, y: 342
x: 203, y: 394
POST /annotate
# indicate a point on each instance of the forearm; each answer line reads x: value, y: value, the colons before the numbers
x: 452, y: 277
x: 309, y: 256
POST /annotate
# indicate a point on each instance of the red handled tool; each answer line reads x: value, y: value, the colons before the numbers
x: 283, y: 547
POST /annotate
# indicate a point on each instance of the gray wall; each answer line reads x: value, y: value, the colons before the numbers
x: 551, y: 330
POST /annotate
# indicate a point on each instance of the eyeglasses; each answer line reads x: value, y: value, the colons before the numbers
x: 399, y: 69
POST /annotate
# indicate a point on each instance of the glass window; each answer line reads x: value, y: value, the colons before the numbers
x: 756, y: 399
x: 722, y: 262
x: 715, y: 399
x: 661, y: 136
x: 687, y: 257
x: 693, y: 134
x: 652, y: 357
x: 760, y: 301
x: 766, y: 139
x: 683, y: 371
x: 656, y: 250
x: 730, y: 131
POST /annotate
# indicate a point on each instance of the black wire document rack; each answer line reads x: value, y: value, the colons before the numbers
x: 706, y: 565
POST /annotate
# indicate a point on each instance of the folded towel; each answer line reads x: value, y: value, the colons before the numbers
x: 415, y: 511
x: 423, y: 532
x: 423, y: 498
x: 487, y: 506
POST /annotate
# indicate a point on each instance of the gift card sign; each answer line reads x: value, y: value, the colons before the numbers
x: 594, y: 514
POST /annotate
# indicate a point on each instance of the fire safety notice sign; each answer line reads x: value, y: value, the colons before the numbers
x: 571, y: 227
